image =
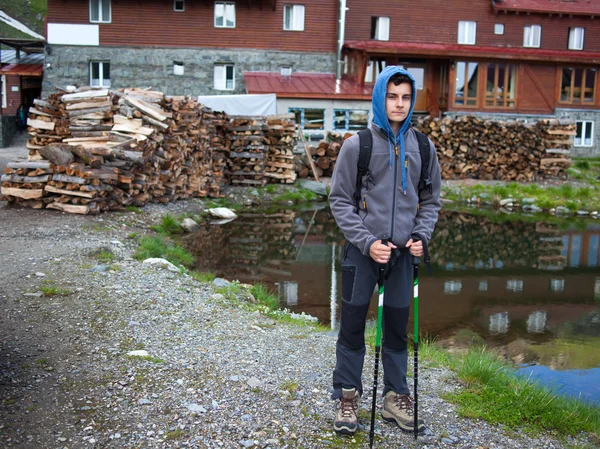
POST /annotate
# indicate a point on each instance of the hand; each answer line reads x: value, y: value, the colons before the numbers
x: 416, y: 248
x: 380, y: 253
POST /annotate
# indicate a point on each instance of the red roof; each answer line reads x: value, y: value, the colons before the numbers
x: 445, y: 51
x: 305, y: 85
x: 22, y: 69
x: 575, y: 7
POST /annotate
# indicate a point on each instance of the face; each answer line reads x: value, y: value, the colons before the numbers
x: 397, y: 102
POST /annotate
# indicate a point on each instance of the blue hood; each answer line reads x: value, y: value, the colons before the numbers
x: 380, y: 117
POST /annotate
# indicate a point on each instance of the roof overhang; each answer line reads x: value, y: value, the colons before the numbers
x: 446, y: 51
x: 552, y: 7
x: 24, y: 45
x: 34, y: 70
x: 305, y: 85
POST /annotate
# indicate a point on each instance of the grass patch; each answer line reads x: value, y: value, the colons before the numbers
x: 134, y: 209
x: 203, y: 277
x: 494, y: 393
x: 48, y: 288
x: 169, y: 225
x: 159, y: 247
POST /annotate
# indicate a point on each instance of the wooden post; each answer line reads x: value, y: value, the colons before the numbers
x: 310, y: 161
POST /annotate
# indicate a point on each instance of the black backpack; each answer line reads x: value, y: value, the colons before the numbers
x: 364, y: 157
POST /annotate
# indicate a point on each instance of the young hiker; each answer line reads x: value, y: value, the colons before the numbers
x: 390, y: 205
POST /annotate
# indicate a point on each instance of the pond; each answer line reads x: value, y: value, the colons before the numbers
x: 529, y: 288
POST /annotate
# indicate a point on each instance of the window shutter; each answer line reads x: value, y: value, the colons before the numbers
x: 298, y: 18
x: 219, y: 77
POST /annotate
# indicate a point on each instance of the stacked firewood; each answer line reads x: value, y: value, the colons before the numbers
x: 213, y: 138
x: 323, y: 156
x: 281, y: 138
x: 248, y: 150
x: 470, y: 147
x: 558, y: 140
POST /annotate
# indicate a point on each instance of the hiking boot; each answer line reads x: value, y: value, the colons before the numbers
x: 346, y: 420
x: 399, y: 408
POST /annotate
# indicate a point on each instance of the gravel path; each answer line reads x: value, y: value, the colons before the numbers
x: 216, y: 376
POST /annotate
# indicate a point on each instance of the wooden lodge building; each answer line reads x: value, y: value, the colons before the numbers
x: 500, y: 59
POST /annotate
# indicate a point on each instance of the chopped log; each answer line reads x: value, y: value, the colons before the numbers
x: 53, y: 189
x: 58, y: 154
x: 24, y: 179
x: 83, y: 95
x: 146, y: 108
x: 41, y: 124
x: 70, y: 208
x: 22, y: 193
x: 46, y: 165
x: 86, y: 156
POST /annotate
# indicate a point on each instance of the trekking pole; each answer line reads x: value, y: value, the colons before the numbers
x: 384, y: 241
x: 416, y: 261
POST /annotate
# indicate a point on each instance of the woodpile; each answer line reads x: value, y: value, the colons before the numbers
x: 470, y: 147
x: 93, y: 150
x: 248, y: 150
x: 281, y: 139
x: 323, y: 156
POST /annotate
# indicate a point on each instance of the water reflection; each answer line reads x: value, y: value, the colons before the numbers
x: 504, y: 281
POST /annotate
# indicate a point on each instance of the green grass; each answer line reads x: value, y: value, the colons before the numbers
x: 134, y: 209
x: 169, y: 225
x: 48, y: 288
x: 203, y: 277
x: 104, y: 256
x: 494, y: 393
x: 159, y: 247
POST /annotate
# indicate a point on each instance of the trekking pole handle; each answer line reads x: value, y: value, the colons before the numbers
x: 416, y: 261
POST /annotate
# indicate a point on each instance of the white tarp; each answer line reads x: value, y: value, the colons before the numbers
x: 259, y: 104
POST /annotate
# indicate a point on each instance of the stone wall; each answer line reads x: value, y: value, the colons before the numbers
x: 571, y: 114
x: 143, y: 67
x: 8, y: 129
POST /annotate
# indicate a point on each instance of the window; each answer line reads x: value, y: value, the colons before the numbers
x: 293, y: 17
x: 576, y: 38
x: 380, y: 28
x: 309, y: 119
x: 499, y: 28
x: 514, y: 285
x: 374, y: 68
x: 224, y: 15
x: 177, y: 68
x: 224, y: 77
x: 99, y: 74
x: 532, y: 36
x: 585, y: 134
x: 578, y: 85
x: 350, y: 119
x: 500, y: 91
x: 100, y: 11
x: 466, y: 32
x: 285, y: 70
x: 466, y: 83
x: 179, y: 5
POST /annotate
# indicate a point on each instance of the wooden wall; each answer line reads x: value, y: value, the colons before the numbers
x: 154, y: 23
x: 436, y: 21
x: 13, y: 99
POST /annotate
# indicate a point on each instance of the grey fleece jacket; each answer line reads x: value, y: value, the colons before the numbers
x: 389, y: 210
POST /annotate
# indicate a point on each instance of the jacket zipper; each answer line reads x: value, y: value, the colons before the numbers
x: 394, y: 195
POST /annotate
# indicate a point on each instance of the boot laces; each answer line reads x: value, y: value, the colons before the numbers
x: 348, y: 406
x: 404, y: 402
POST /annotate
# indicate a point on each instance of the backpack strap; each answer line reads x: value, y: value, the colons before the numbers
x: 425, y: 150
x: 364, y: 157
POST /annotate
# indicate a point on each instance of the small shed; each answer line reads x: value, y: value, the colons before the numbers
x: 21, y: 73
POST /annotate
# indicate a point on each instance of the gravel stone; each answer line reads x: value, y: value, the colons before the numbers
x: 216, y: 372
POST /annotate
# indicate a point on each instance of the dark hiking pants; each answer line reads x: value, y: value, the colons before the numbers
x: 359, y: 277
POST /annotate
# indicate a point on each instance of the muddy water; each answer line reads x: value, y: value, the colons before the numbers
x: 530, y: 288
